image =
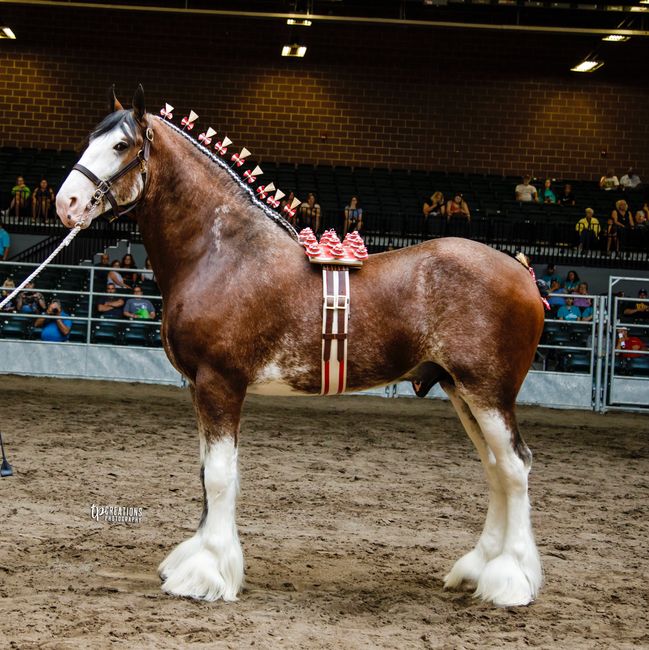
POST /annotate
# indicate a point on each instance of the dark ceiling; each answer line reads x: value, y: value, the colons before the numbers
x: 498, y: 14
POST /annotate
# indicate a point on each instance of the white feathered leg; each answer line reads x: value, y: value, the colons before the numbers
x: 469, y: 567
x: 209, y: 565
x: 514, y: 577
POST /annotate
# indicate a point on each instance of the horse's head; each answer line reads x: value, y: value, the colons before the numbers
x: 111, y: 173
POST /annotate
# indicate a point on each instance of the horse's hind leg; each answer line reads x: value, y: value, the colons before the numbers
x: 209, y: 565
x: 514, y: 576
x: 469, y: 567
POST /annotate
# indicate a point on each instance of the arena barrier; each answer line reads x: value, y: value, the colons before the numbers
x: 577, y: 364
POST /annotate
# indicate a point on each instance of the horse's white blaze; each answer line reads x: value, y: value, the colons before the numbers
x: 210, y: 564
x: 102, y: 160
x: 270, y: 380
x: 514, y: 577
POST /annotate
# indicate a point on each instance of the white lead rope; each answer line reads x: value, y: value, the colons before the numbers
x: 71, y: 235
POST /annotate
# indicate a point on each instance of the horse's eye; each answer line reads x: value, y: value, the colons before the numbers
x: 120, y: 146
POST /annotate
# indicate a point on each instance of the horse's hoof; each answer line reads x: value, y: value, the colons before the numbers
x: 504, y: 583
x: 194, y: 570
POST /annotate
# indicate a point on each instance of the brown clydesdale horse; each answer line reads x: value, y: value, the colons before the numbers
x: 242, y: 313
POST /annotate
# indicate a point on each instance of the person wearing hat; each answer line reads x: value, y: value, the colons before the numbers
x: 588, y: 230
x: 641, y: 309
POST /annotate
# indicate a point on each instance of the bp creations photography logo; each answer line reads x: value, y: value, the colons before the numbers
x: 117, y: 514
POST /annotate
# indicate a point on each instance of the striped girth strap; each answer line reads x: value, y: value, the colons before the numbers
x: 335, y: 314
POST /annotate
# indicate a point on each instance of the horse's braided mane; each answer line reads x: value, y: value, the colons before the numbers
x: 271, y: 214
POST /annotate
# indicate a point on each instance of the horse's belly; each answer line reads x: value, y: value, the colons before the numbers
x: 273, y: 380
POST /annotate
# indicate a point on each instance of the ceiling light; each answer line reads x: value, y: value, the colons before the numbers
x: 6, y: 32
x: 294, y: 50
x: 588, y: 65
x: 615, y: 38
x: 299, y: 22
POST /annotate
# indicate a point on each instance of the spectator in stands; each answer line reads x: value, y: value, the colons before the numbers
x: 56, y: 329
x: 8, y: 286
x: 110, y: 306
x: 588, y: 230
x: 630, y: 180
x: 147, y: 275
x: 626, y: 342
x: 29, y: 301
x: 138, y: 307
x: 567, y: 199
x: 525, y: 191
x: 642, y: 226
x: 547, y: 194
x: 612, y: 239
x: 553, y: 299
x: 101, y: 277
x: 609, y: 181
x: 642, y: 216
x: 42, y: 201
x: 458, y: 208
x: 310, y: 213
x: 572, y: 282
x: 20, y: 194
x: 585, y: 304
x: 569, y: 311
x: 582, y: 290
x: 551, y: 275
x: 130, y: 276
x: 641, y: 309
x: 434, y: 206
x: 353, y: 216
x: 623, y: 220
x: 5, y: 242
x: 116, y: 278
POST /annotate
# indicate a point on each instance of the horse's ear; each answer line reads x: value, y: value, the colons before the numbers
x: 138, y: 103
x: 113, y: 102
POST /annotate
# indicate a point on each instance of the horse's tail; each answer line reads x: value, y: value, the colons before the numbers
x: 541, y: 285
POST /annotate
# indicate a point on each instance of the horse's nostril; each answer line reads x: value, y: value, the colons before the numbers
x: 73, y: 201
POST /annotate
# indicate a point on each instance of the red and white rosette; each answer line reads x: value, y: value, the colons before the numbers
x: 264, y: 190
x: 206, y: 138
x: 222, y: 147
x: 166, y: 112
x: 290, y: 210
x: 239, y: 158
x: 188, y: 121
x: 313, y: 250
x: 273, y: 201
x: 251, y: 175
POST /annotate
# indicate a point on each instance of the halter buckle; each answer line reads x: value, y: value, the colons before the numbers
x: 102, y: 189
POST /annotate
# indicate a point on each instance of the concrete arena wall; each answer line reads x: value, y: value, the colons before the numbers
x: 147, y: 365
x: 418, y: 98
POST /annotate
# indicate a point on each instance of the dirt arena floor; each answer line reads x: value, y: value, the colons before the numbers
x: 351, y: 512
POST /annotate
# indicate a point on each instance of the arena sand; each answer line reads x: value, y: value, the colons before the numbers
x: 351, y: 512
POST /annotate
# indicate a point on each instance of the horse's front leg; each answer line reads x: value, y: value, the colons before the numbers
x: 209, y: 565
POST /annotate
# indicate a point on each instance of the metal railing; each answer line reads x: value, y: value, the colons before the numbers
x: 79, y: 305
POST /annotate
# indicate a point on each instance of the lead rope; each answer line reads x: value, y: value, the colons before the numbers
x: 71, y: 235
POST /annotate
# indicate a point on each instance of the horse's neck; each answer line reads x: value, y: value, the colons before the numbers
x: 194, y: 209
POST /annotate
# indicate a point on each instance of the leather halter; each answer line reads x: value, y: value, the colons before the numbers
x: 103, y: 190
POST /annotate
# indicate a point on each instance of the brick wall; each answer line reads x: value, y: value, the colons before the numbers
x: 370, y: 96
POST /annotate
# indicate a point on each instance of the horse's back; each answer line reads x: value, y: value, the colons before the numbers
x: 469, y: 308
